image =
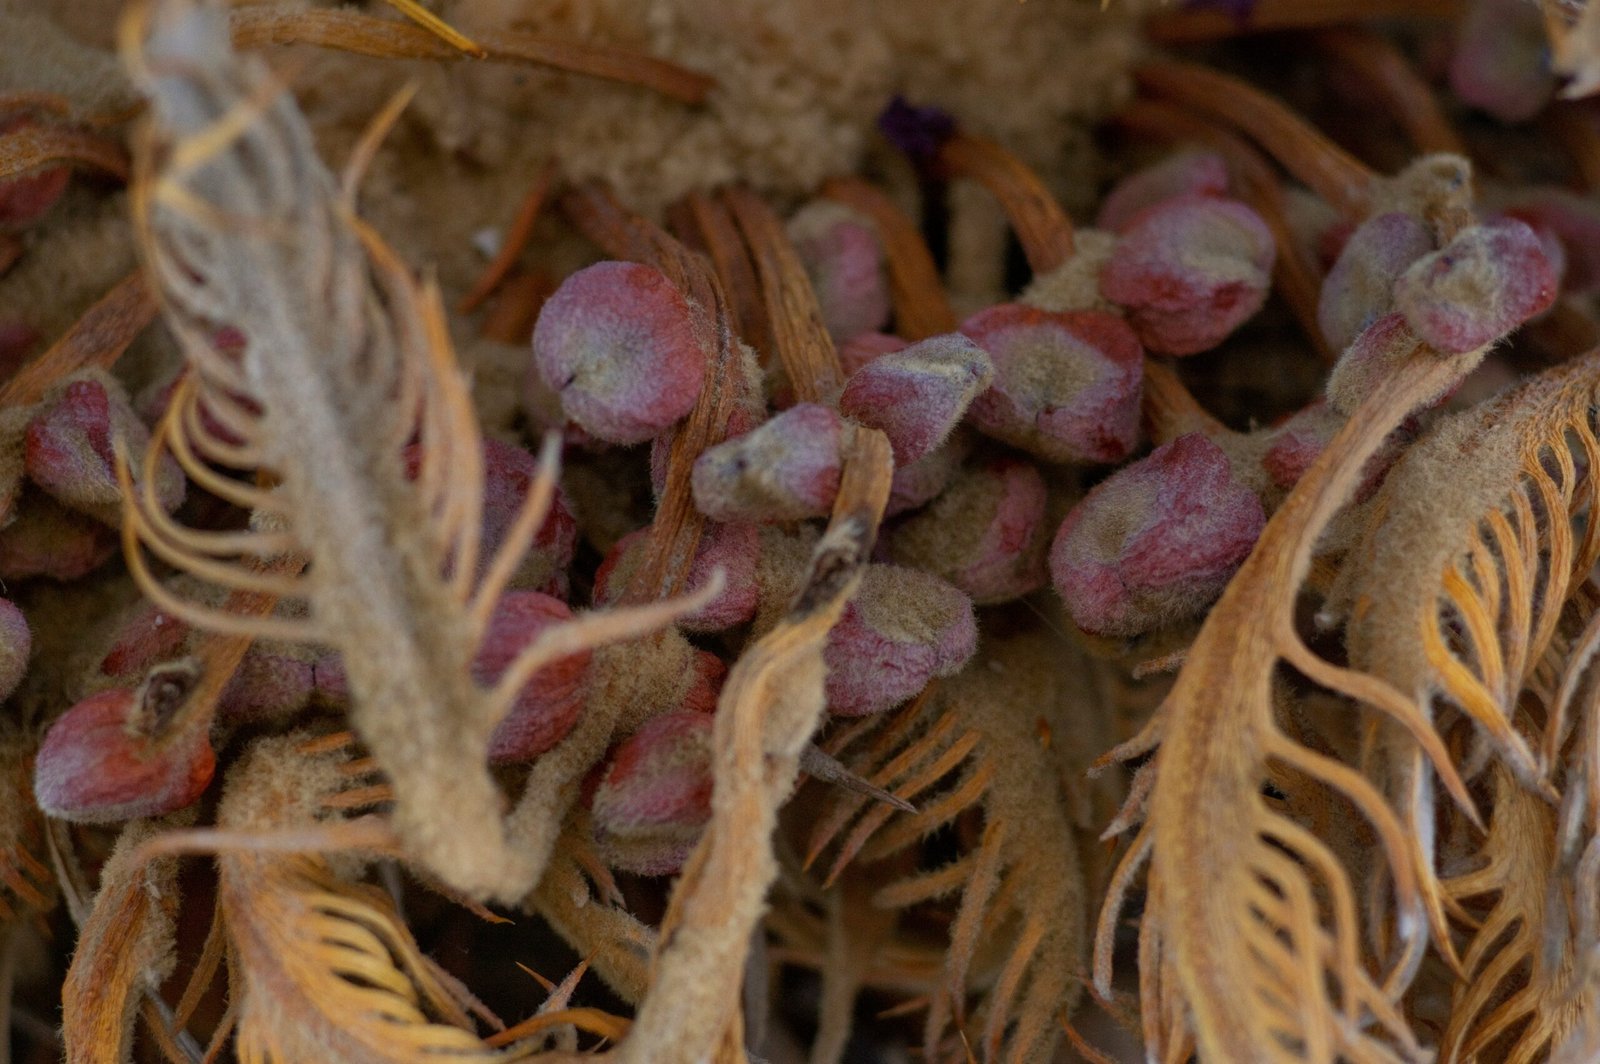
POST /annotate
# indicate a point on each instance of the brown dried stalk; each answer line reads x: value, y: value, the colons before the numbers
x: 1406, y: 96
x: 1178, y: 27
x: 347, y: 357
x: 96, y: 339
x: 1041, y: 225
x: 38, y: 146
x: 350, y: 31
x: 767, y: 713
x: 1238, y: 957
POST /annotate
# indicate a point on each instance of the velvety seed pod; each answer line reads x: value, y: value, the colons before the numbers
x: 617, y: 343
x: 867, y: 347
x: 16, y: 644
x: 986, y: 534
x: 145, y: 637
x: 1301, y: 439
x: 272, y: 682
x: 1477, y: 288
x: 1360, y: 287
x: 1575, y: 221
x: 28, y: 197
x: 919, y: 482
x: 103, y: 761
x: 1186, y: 172
x: 49, y: 540
x: 1189, y: 271
x: 654, y: 796
x: 1501, y: 62
x: 916, y: 396
x: 1066, y: 386
x: 710, y: 673
x: 786, y: 469
x: 551, y: 700
x: 1156, y: 541
x: 841, y: 255
x: 903, y: 628
x: 732, y: 547
x: 69, y: 448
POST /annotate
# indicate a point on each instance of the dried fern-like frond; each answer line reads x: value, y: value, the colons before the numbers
x: 345, y: 358
x: 1251, y: 943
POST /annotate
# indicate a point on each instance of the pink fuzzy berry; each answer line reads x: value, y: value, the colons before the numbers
x: 1300, y: 440
x: 916, y: 396
x: 1066, y: 386
x: 69, y: 452
x: 273, y: 682
x: 1477, y: 288
x: 1189, y: 271
x: 1575, y: 221
x: 710, y: 673
x: 16, y: 645
x: 1501, y: 63
x: 918, y: 483
x: 903, y: 628
x: 868, y: 347
x: 145, y: 636
x: 787, y: 469
x: 1360, y: 287
x: 841, y: 255
x: 111, y: 757
x: 733, y: 548
x: 617, y: 342
x: 654, y: 795
x: 552, y: 699
x: 986, y: 534
x: 1156, y: 541
x: 48, y: 540
x: 1183, y: 173
x: 26, y: 198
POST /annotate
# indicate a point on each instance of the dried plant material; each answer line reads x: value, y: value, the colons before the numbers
x: 772, y: 703
x: 97, y: 339
x: 1040, y: 223
x: 921, y: 308
x: 845, y: 265
x: 340, y: 340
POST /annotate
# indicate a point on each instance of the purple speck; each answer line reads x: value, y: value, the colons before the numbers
x: 917, y: 131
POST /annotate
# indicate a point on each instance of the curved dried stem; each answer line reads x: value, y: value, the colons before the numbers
x: 1041, y: 225
x: 1406, y: 96
x: 98, y: 338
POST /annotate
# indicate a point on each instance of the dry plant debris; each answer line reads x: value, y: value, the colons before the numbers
x: 702, y: 532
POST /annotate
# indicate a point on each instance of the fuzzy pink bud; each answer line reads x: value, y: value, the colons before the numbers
x: 1501, y: 63
x: 1066, y: 386
x: 654, y: 796
x: 1190, y: 271
x: 550, y: 702
x: 47, y: 539
x: 272, y: 682
x: 710, y: 673
x: 903, y: 628
x: 734, y: 548
x: 1156, y: 541
x: 617, y: 343
x: 145, y: 636
x: 16, y: 645
x: 1300, y: 440
x: 786, y: 469
x: 1477, y: 288
x: 841, y: 255
x: 916, y: 396
x: 1184, y: 173
x: 1360, y: 287
x: 1575, y: 221
x: 986, y: 534
x: 68, y: 449
x: 109, y: 757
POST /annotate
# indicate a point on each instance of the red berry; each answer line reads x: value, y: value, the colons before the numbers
x: 841, y: 255
x: 1190, y: 271
x: 1198, y: 172
x: 273, y: 681
x: 1360, y: 287
x: 109, y: 758
x: 47, y: 539
x: 1483, y: 284
x: 920, y: 482
x: 710, y: 673
x: 1066, y: 386
x: 145, y: 637
x: 1575, y: 221
x: 986, y: 534
x: 917, y: 395
x: 903, y: 628
x: 787, y: 469
x: 1156, y: 541
x: 617, y: 343
x: 550, y: 702
x: 654, y: 796
x: 732, y: 547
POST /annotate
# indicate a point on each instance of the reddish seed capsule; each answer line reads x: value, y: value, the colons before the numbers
x: 710, y: 673
x: 985, y: 534
x: 1477, y: 288
x: 916, y: 396
x: 26, y: 198
x: 617, y: 343
x: 1501, y: 63
x: 868, y: 347
x: 272, y: 682
x: 654, y: 796
x: 920, y: 482
x: 903, y: 628
x: 1360, y: 287
x: 69, y: 448
x: 1302, y: 438
x: 1066, y: 386
x: 1156, y: 541
x: 145, y: 637
x: 1575, y: 221
x: 551, y: 700
x: 1187, y: 172
x: 732, y: 547
x: 108, y: 758
x: 787, y: 469
x: 841, y: 255
x: 49, y: 540
x: 16, y: 644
